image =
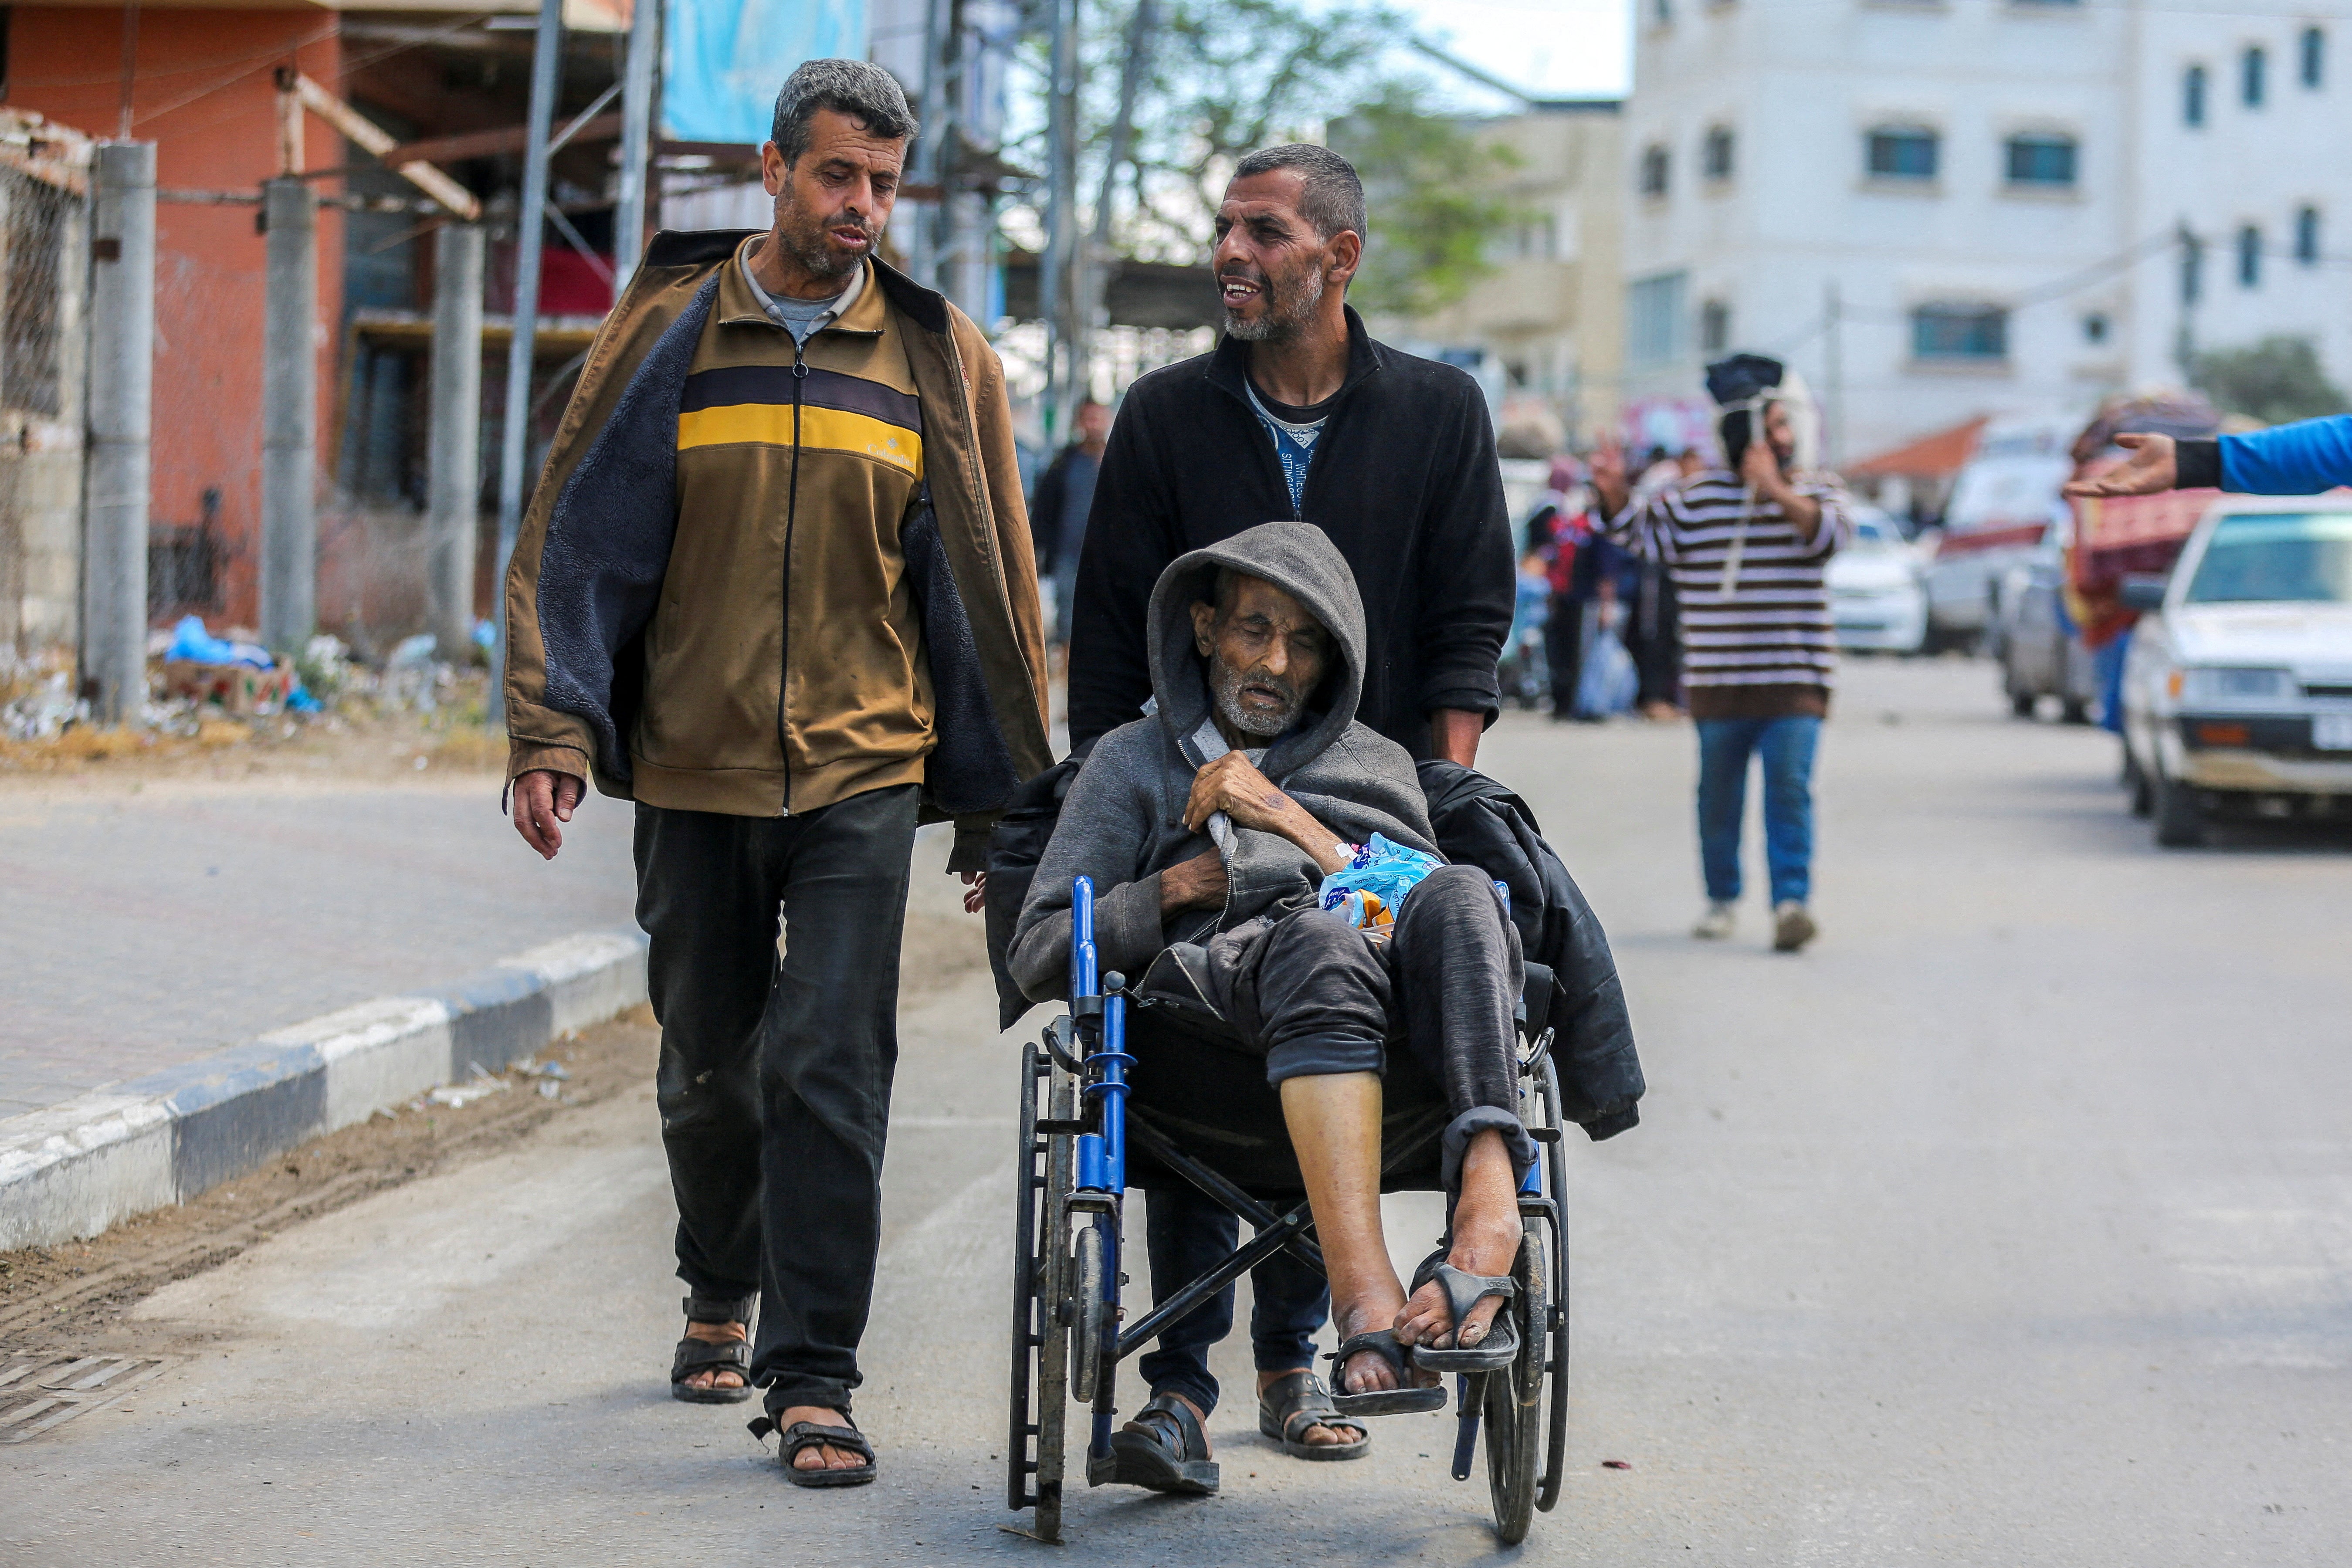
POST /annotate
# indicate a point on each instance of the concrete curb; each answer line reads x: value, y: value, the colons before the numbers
x: 74, y: 1169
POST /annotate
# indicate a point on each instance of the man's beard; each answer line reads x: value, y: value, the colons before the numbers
x: 1226, y: 685
x: 803, y: 234
x: 1287, y: 310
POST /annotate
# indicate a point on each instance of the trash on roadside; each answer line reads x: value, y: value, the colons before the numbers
x: 550, y: 1089
x: 457, y: 1096
x: 542, y: 1069
x: 1616, y: 1463
x: 193, y: 644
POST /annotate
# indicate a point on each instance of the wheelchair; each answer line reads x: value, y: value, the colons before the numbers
x: 1096, y: 1118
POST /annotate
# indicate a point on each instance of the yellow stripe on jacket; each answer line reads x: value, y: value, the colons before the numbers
x: 833, y: 429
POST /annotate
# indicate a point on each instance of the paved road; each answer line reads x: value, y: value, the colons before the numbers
x: 144, y: 929
x: 2012, y: 1224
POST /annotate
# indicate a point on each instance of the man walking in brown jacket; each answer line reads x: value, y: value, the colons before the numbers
x: 776, y: 587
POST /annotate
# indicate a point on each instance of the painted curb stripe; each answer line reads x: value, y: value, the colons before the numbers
x: 74, y: 1169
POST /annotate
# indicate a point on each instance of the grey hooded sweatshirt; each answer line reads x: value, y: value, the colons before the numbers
x: 1122, y: 822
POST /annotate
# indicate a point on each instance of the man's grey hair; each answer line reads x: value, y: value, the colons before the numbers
x: 1331, y: 197
x: 860, y: 88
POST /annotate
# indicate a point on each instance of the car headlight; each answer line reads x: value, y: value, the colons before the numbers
x: 2223, y: 683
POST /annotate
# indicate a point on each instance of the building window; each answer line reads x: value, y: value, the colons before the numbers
x: 2042, y: 159
x: 2095, y: 327
x: 2250, y: 256
x: 1653, y: 319
x: 2250, y: 68
x: 1654, y: 170
x: 2192, y: 96
x: 1661, y: 11
x: 1714, y: 327
x: 1902, y: 154
x: 2192, y: 268
x: 2307, y: 236
x: 1715, y: 153
x: 1959, y: 332
x: 2315, y: 57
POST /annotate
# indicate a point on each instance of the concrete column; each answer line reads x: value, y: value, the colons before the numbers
x: 289, y: 417
x: 122, y: 387
x: 454, y: 446
x: 530, y: 225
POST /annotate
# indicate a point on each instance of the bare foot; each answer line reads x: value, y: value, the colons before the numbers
x: 1487, y: 1232
x: 716, y: 1334
x: 1369, y: 1371
x: 1318, y: 1433
x: 818, y: 1455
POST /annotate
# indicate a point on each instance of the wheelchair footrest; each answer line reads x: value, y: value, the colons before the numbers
x: 1103, y: 1470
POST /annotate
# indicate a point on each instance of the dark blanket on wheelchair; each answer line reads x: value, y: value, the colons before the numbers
x: 1481, y: 822
x: 1478, y: 822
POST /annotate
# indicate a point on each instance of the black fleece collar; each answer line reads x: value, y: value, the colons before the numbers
x: 1229, y: 365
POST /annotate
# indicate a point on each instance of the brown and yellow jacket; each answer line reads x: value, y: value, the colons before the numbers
x: 759, y: 578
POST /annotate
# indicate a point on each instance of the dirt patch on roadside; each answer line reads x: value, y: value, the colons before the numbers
x: 79, y: 1291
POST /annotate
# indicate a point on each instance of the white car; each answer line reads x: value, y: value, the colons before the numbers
x: 2004, y: 502
x: 2238, y: 687
x: 1876, y: 598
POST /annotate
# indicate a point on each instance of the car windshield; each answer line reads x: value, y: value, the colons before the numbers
x: 2276, y: 558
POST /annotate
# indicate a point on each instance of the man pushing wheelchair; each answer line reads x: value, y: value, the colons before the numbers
x: 1215, y: 830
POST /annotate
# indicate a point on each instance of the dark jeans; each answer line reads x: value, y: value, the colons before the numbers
x: 1317, y: 998
x: 774, y: 1083
x: 1564, y: 650
x: 1786, y: 747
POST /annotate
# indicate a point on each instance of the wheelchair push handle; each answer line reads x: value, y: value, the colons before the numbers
x: 1101, y: 1013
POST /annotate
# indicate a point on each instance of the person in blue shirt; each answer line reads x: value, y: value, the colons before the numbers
x: 2302, y: 458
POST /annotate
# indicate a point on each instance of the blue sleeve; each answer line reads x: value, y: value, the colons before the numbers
x: 2296, y: 459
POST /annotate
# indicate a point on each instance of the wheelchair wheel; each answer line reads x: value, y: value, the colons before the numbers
x: 1040, y: 1386
x: 1556, y: 1367
x: 1512, y: 1398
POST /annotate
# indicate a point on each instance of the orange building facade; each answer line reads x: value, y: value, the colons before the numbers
x: 204, y: 90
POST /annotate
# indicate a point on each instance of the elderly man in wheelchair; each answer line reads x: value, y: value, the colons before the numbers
x: 1214, y: 831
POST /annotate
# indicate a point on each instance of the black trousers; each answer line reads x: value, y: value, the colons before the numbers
x: 1317, y: 998
x: 774, y: 1083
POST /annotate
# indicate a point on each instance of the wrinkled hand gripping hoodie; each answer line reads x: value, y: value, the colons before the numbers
x: 1123, y: 821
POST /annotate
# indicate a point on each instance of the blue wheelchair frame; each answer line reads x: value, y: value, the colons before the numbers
x: 1067, y: 1333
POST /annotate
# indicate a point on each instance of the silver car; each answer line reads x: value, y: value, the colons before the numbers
x: 2238, y: 687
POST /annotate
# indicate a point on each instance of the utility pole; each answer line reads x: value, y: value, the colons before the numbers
x: 531, y: 222
x: 454, y: 450
x: 1063, y: 361
x: 1098, y: 258
x: 289, y: 414
x: 927, y: 248
x: 122, y: 385
x: 1833, y: 350
x: 636, y: 142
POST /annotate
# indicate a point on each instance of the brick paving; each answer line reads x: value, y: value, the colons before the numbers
x: 141, y: 929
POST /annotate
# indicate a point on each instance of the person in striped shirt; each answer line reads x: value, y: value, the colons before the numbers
x: 1745, y: 545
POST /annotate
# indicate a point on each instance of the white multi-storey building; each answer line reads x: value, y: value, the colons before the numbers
x: 1941, y: 208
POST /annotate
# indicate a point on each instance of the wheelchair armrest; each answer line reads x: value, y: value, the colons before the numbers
x: 1534, y: 1010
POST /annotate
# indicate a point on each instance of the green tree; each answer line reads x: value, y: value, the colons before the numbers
x: 1434, y: 190
x: 2276, y: 380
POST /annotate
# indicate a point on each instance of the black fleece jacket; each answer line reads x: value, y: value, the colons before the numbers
x: 1404, y: 481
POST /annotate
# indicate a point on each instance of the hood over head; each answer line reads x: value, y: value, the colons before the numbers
x: 1299, y: 558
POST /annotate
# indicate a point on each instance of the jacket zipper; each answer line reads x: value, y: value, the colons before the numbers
x: 792, y: 513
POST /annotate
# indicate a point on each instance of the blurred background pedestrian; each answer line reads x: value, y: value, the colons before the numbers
x: 1064, y: 493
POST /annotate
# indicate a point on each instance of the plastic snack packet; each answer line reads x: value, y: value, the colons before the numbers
x: 1368, y: 890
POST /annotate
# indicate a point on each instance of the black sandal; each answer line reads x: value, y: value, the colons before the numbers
x: 1405, y: 1399
x: 1164, y: 1448
x: 1463, y: 1291
x: 801, y: 1435
x: 702, y: 1355
x: 1292, y: 1404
